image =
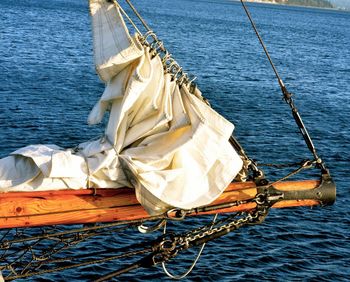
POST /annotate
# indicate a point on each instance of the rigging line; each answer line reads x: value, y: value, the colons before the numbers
x: 119, y: 272
x: 35, y: 263
x: 139, y: 17
x: 262, y: 44
x: 127, y: 16
x: 282, y: 165
x: 164, y: 251
x: 288, y: 98
x: 62, y: 233
x: 179, y: 277
x: 144, y: 23
x: 251, y: 164
x: 9, y: 278
x: 305, y: 165
x: 179, y: 74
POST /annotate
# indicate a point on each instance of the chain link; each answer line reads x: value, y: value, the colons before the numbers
x: 173, y: 244
x: 250, y: 218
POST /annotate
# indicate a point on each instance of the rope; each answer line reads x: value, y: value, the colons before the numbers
x: 178, y: 277
x: 27, y: 261
x: 305, y: 165
x: 127, y: 16
x: 288, y: 98
x: 282, y: 165
x: 140, y: 18
x: 129, y: 223
x: 248, y: 163
x: 9, y: 278
x: 157, y: 47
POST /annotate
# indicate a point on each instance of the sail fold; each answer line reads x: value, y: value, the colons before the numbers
x: 160, y: 139
x: 113, y: 46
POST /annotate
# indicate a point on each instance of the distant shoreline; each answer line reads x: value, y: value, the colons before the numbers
x: 292, y: 5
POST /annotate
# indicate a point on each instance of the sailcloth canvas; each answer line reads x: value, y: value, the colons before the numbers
x: 160, y: 139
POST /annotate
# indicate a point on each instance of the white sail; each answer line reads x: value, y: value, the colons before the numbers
x: 113, y: 47
x: 160, y: 139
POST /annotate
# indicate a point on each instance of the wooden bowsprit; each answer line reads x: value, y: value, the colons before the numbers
x: 33, y: 251
x: 29, y: 209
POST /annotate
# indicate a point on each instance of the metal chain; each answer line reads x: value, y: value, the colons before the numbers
x: 169, y: 245
x: 250, y: 218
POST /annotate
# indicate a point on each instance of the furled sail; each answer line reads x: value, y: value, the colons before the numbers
x: 160, y: 139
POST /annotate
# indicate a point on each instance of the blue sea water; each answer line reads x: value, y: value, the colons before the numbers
x: 48, y: 86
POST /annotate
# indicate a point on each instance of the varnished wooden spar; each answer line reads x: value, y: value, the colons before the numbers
x: 28, y: 209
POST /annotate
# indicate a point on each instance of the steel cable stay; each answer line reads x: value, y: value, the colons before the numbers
x: 288, y: 98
